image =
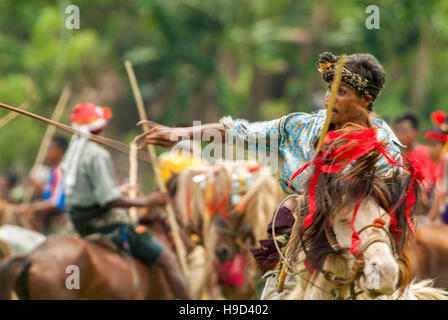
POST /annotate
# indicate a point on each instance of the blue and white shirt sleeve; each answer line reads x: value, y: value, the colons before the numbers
x: 57, y: 195
x: 256, y: 135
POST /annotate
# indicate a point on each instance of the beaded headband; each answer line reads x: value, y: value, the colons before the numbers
x: 354, y: 80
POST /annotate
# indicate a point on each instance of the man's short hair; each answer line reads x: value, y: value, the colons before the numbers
x: 369, y: 68
x: 60, y: 142
x: 364, y: 65
x: 411, y: 118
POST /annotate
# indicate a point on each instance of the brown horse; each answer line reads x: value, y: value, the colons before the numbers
x: 247, y: 218
x: 429, y: 252
x: 9, y: 216
x: 5, y: 251
x: 238, y: 233
x: 103, y: 273
x: 236, y: 269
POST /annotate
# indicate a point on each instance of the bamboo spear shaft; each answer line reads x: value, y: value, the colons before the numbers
x: 334, y: 90
x: 114, y: 144
x: 11, y: 115
x: 49, y: 132
x: 180, y: 250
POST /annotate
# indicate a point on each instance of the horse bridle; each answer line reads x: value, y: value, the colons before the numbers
x: 358, y: 264
x: 378, y: 223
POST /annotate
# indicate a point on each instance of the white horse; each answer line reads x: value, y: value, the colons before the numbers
x: 376, y: 274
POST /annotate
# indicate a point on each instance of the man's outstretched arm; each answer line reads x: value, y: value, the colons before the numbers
x: 167, y: 137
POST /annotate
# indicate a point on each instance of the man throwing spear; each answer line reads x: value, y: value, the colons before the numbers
x: 294, y: 137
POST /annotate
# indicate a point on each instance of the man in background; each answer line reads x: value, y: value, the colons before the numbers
x: 407, y: 131
x: 48, y: 215
x: 437, y: 138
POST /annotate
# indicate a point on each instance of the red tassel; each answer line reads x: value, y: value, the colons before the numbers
x: 188, y: 200
x: 297, y: 173
x: 359, y: 144
x: 438, y: 117
x: 312, y: 199
x: 355, y: 236
x: 410, y: 201
x: 308, y: 266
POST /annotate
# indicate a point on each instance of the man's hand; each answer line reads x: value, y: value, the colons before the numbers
x: 127, y: 188
x: 156, y: 199
x: 160, y: 135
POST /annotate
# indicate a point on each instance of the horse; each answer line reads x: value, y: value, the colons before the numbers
x: 244, y: 227
x: 237, y: 198
x: 104, y: 273
x: 5, y: 250
x: 327, y: 261
x: 429, y: 253
x: 9, y: 216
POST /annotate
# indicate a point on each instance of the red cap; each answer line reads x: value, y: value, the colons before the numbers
x: 90, y: 115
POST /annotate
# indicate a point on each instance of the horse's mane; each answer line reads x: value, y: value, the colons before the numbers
x: 255, y: 205
x: 261, y: 199
x: 344, y: 190
x: 258, y: 202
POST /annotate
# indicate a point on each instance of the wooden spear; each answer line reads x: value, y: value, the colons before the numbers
x: 49, y: 132
x: 334, y: 90
x: 180, y: 249
x: 114, y: 144
x: 11, y: 115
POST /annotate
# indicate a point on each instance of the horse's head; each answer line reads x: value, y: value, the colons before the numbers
x: 376, y: 260
x: 246, y: 223
x: 233, y: 237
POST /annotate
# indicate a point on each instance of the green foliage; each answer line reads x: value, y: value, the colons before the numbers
x: 202, y: 59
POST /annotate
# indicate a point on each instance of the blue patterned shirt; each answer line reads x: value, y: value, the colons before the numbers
x: 293, y: 138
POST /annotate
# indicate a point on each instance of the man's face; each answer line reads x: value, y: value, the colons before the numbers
x: 406, y: 133
x: 435, y: 147
x: 54, y: 154
x: 348, y: 105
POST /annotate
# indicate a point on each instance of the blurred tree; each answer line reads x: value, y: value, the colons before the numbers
x: 202, y: 59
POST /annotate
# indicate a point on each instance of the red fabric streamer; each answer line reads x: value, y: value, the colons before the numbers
x: 438, y: 117
x: 356, y: 241
x: 188, y: 200
x: 308, y: 266
x: 359, y: 144
x: 220, y: 206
